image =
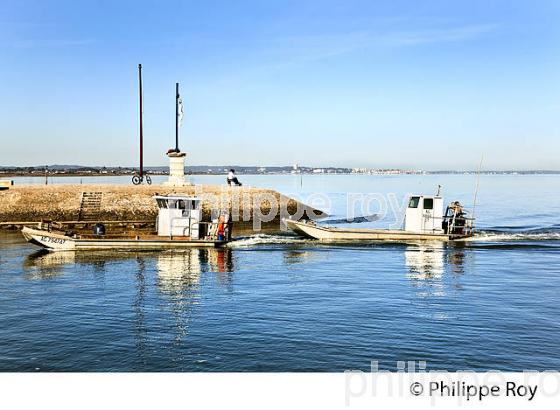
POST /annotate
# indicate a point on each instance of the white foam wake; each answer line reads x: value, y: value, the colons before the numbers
x: 266, y: 239
x: 492, y: 236
x: 515, y: 236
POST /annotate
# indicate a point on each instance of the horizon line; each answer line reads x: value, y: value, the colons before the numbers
x: 288, y: 166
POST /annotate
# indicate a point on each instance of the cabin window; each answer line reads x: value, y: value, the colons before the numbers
x: 162, y: 203
x: 414, y: 201
x: 181, y: 204
x: 428, y: 203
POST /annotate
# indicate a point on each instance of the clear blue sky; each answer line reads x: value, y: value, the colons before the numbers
x: 414, y: 84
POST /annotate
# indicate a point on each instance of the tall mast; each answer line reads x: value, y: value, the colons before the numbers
x: 141, y: 124
x: 177, y: 117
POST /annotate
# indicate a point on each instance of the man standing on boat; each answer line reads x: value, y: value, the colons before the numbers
x: 221, y: 228
x: 457, y: 208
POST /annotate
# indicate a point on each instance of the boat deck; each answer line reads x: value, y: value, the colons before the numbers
x: 326, y: 233
x: 56, y: 240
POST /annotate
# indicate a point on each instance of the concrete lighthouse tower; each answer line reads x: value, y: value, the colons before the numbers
x: 176, y: 157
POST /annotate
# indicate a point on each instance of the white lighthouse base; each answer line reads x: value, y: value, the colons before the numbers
x: 176, y: 170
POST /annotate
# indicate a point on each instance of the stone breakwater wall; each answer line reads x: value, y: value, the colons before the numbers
x: 33, y: 203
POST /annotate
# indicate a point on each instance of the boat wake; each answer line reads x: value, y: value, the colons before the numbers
x: 486, y: 235
x: 508, y: 235
x: 263, y: 239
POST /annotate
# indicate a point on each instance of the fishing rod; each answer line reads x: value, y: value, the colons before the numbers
x: 477, y: 185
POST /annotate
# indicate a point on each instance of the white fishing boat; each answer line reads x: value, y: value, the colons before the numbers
x: 425, y: 219
x: 179, y: 225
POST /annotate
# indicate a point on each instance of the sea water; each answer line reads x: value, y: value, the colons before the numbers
x: 280, y: 303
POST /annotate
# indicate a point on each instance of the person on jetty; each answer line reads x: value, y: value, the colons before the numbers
x: 232, y: 179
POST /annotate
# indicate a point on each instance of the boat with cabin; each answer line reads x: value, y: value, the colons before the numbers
x: 178, y: 225
x: 425, y: 219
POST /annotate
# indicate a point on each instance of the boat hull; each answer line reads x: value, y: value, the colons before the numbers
x: 328, y: 234
x: 59, y: 242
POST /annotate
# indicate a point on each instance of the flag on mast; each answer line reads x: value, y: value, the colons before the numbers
x: 180, y: 112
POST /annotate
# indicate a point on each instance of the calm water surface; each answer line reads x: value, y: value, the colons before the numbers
x: 278, y: 303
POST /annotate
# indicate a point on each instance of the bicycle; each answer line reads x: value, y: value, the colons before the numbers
x: 138, y: 179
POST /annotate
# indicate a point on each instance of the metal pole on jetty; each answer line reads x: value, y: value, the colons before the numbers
x: 137, y: 179
x: 177, y: 97
x: 141, y: 124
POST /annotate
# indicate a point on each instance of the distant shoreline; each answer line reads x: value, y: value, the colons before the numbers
x: 68, y: 170
x: 240, y: 172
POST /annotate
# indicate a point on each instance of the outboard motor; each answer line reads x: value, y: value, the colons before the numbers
x: 99, y: 229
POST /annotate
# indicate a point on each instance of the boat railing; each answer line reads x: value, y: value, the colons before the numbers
x: 456, y: 224
x: 211, y: 231
x: 207, y: 230
x: 459, y: 224
x: 188, y: 227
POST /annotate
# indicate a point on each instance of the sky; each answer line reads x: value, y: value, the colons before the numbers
x: 383, y: 84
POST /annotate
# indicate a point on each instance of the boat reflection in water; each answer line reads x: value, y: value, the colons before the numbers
x: 433, y: 269
x: 176, y: 274
x: 178, y: 278
x: 424, y: 261
x: 178, y: 271
x: 43, y: 264
x: 298, y: 256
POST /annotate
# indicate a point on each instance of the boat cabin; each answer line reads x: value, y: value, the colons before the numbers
x: 424, y: 214
x: 179, y: 216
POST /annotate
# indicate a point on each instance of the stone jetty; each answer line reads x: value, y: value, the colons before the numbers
x: 134, y: 205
